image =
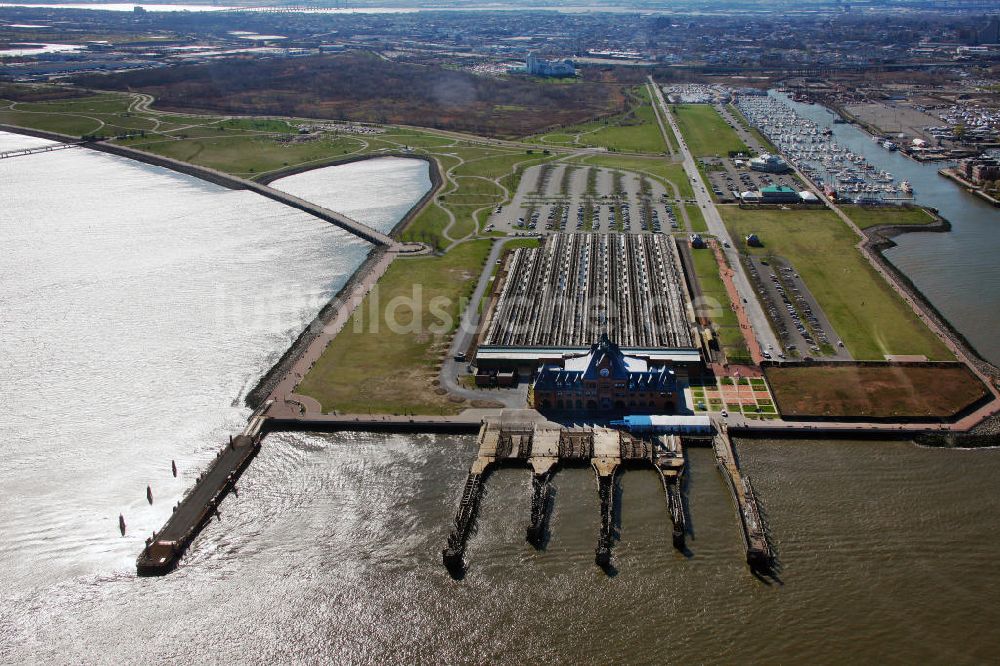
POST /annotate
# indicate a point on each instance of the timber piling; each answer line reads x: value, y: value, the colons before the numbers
x: 759, y: 555
x: 670, y: 463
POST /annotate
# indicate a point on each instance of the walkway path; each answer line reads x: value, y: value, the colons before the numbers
x: 467, y: 328
x: 737, y: 305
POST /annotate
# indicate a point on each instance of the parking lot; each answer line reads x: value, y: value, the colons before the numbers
x: 568, y: 197
x: 725, y: 177
x: 800, y: 324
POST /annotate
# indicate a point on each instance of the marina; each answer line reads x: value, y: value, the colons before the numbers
x: 840, y: 173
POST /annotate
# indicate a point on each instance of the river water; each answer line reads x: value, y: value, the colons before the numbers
x: 377, y: 192
x: 138, y: 307
x: 957, y: 271
x: 331, y: 554
x: 115, y: 359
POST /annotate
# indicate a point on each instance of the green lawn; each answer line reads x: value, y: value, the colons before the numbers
x: 244, y: 154
x: 717, y: 306
x: 427, y: 227
x: 865, y: 216
x: 635, y: 131
x: 370, y: 367
x: 697, y: 218
x: 706, y: 133
x: 73, y: 125
x: 867, y: 314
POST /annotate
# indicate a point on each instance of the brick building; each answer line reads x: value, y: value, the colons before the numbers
x: 605, y: 380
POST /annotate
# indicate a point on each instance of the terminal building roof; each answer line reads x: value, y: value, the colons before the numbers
x: 576, y: 286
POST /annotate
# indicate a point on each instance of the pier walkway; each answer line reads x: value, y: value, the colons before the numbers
x: 165, y: 548
x: 758, y: 550
x: 223, y: 179
x: 32, y: 151
x: 544, y: 446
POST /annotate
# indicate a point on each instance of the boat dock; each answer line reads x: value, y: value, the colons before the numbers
x: 165, y: 548
x: 544, y: 446
x: 760, y: 557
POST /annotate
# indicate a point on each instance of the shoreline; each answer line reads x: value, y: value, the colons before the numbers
x: 433, y: 168
x: 878, y: 239
x: 333, y: 308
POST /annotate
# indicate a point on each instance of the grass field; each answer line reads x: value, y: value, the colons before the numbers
x: 370, y: 367
x: 865, y: 216
x: 635, y: 131
x: 706, y: 133
x: 697, y: 218
x: 888, y: 391
x: 717, y: 306
x: 867, y: 314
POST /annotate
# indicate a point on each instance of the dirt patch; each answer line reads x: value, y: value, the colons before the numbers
x: 486, y: 404
x: 874, y: 391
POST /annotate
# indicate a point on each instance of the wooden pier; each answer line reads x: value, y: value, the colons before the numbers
x: 760, y: 557
x: 668, y: 457
x: 165, y: 548
x: 544, y: 446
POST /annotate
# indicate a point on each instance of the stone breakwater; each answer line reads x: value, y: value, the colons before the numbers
x: 256, y: 396
x: 877, y: 241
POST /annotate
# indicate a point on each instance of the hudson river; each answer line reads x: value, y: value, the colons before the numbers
x: 139, y: 306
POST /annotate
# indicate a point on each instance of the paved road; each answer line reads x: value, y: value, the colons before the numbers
x: 451, y: 368
x: 755, y: 313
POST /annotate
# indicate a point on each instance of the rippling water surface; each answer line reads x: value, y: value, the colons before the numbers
x: 139, y: 306
x: 377, y: 192
x: 331, y: 553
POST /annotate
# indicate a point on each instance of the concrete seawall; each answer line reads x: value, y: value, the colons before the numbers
x: 437, y: 180
x: 218, y: 178
x: 359, y: 423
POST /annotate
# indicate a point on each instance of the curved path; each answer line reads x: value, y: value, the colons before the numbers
x: 467, y: 327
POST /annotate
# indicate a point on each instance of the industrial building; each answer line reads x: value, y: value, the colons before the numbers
x: 558, y: 300
x: 541, y: 67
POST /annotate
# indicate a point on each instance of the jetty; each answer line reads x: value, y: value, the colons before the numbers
x: 760, y: 557
x: 165, y: 548
x: 544, y: 446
